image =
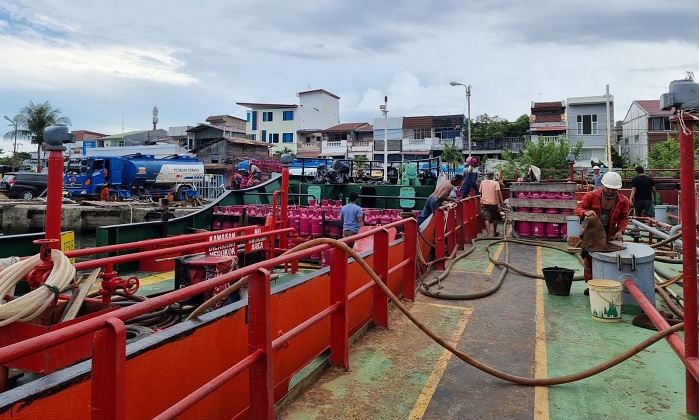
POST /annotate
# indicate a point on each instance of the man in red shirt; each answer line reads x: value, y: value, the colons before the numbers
x: 611, y: 206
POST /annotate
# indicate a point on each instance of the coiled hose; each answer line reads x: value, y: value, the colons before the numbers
x: 472, y: 361
x: 29, y: 306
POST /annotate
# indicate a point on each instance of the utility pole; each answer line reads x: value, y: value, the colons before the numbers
x: 14, y: 150
x: 384, y: 109
x: 468, y: 105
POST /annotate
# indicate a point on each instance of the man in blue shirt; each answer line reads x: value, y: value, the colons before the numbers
x: 352, y: 217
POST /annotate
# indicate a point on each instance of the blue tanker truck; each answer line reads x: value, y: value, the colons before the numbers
x: 131, y: 175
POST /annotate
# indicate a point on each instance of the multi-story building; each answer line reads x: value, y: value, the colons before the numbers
x: 425, y: 136
x: 644, y: 126
x: 587, y: 121
x: 390, y: 129
x: 547, y: 119
x: 346, y: 141
x: 293, y: 126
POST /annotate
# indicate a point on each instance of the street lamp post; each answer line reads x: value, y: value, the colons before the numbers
x: 384, y: 110
x: 468, y: 105
x: 14, y: 151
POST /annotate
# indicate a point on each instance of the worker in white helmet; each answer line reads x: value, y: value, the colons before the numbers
x: 611, y: 206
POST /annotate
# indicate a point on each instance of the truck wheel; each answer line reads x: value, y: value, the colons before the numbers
x: 27, y: 195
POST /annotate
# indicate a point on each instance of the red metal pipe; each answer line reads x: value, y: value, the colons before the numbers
x: 409, y: 254
x: 284, y: 204
x: 108, y: 393
x: 689, y: 266
x: 53, y: 197
x: 169, y: 241
x: 439, y: 251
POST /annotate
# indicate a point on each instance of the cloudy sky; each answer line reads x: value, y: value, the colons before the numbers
x: 107, y: 64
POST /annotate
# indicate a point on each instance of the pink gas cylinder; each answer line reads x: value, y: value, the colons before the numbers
x: 316, y: 228
x: 553, y: 230
x: 334, y: 231
x: 395, y: 216
x: 524, y: 228
x: 386, y: 217
x: 305, y: 224
x: 295, y: 220
x: 216, y: 224
x: 538, y: 228
x: 564, y: 229
x: 325, y: 204
x: 338, y: 203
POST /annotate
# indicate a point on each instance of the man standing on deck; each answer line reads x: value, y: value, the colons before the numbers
x: 352, y: 217
x: 470, y: 177
x: 643, y: 194
x: 441, y: 193
x: 491, y: 200
x: 596, y: 177
x: 611, y: 206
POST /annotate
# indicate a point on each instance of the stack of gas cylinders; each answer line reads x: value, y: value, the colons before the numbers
x: 315, y: 221
x: 540, y: 230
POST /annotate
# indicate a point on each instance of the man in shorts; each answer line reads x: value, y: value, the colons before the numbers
x: 491, y: 200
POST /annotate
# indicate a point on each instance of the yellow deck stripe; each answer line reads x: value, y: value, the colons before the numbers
x: 541, y: 393
x: 431, y: 385
x: 491, y: 266
x: 145, y: 281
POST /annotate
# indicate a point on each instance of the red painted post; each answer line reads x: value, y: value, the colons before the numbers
x: 439, y: 251
x: 451, y: 229
x: 468, y: 222
x: 459, y: 214
x: 259, y: 338
x: 108, y: 400
x: 380, y: 307
x: 284, y: 207
x: 689, y: 266
x: 339, y: 325
x: 480, y: 223
x: 53, y: 196
x: 409, y: 253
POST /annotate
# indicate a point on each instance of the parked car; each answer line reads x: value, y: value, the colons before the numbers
x: 25, y: 185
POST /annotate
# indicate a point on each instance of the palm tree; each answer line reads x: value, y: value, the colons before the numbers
x: 33, y: 119
x: 286, y: 150
x: 452, y: 156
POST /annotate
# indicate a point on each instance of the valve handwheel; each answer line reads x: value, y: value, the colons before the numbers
x: 131, y: 285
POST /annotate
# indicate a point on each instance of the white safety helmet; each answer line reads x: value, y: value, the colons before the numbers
x: 612, y: 180
x: 594, y: 168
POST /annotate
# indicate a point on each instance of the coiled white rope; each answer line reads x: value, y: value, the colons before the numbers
x: 29, y: 306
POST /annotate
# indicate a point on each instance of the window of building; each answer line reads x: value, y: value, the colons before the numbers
x: 267, y: 116
x: 288, y: 137
x: 253, y: 137
x: 264, y: 135
x: 122, y: 143
x: 214, y: 158
x: 338, y: 137
x: 274, y: 137
x: 587, y: 124
x: 254, y: 120
x: 422, y: 133
x: 660, y: 124
x: 288, y: 116
x: 247, y: 116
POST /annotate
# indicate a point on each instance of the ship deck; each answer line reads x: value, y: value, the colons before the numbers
x: 400, y: 372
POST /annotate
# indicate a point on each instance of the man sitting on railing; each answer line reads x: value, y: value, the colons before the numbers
x: 441, y: 193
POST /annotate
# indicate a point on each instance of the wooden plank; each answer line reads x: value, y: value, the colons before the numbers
x: 71, y: 310
x: 538, y: 217
x: 569, y: 187
x: 548, y: 204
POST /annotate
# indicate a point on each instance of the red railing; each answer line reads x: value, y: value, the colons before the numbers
x: 108, y: 393
x: 461, y: 225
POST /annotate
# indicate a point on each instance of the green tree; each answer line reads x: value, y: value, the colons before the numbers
x: 545, y: 153
x: 361, y: 162
x: 286, y: 150
x: 486, y: 127
x: 33, y: 119
x: 452, y: 157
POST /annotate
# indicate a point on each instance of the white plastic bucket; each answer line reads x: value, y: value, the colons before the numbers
x: 605, y: 300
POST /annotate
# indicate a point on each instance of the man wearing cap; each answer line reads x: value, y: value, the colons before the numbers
x: 643, y: 193
x: 611, y: 206
x: 491, y: 200
x: 597, y: 177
